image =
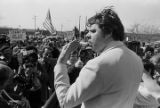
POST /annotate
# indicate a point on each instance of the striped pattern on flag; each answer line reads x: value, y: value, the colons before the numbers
x: 48, y: 24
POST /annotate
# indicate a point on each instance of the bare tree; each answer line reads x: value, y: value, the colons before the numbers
x: 134, y: 28
x: 144, y: 29
x: 150, y: 29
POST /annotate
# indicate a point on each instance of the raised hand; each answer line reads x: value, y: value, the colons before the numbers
x: 67, y: 50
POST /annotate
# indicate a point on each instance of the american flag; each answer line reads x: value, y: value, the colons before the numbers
x: 48, y: 24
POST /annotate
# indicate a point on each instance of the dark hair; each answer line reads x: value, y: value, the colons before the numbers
x: 109, y: 22
x: 5, y: 73
x: 4, y: 39
x: 149, y: 67
x: 32, y: 48
x: 86, y: 54
x: 149, y: 48
x: 4, y: 47
x: 54, y: 51
x: 33, y: 55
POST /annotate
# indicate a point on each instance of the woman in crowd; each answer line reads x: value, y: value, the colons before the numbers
x: 148, y: 95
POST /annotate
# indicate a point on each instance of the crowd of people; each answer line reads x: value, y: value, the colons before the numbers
x: 104, y: 73
x: 31, y: 82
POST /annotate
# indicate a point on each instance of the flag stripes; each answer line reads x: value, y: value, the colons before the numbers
x: 48, y: 24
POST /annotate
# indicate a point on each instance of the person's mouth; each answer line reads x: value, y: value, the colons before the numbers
x: 89, y: 43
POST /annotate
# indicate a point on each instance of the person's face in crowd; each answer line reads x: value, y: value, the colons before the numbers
x: 96, y: 37
x: 148, y: 54
x: 155, y: 52
x: 7, y: 54
x: 47, y: 55
x: 30, y: 66
x: 73, y: 58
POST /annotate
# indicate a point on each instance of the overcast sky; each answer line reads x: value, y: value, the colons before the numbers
x: 20, y: 13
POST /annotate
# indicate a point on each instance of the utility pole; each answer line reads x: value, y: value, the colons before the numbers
x: 35, y: 18
x: 61, y: 27
x: 86, y: 22
x: 61, y: 30
x: 79, y: 26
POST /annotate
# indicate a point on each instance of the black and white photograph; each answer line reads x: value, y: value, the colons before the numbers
x: 79, y: 54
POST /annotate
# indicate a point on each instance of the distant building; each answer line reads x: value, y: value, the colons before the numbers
x: 70, y: 34
x: 142, y: 37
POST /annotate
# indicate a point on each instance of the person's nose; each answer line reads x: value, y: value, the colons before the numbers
x: 88, y: 35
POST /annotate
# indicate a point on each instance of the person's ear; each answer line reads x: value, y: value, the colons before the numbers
x: 107, y: 36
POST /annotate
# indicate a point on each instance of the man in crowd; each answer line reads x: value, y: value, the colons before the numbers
x: 6, y: 53
x: 5, y: 73
x: 111, y: 79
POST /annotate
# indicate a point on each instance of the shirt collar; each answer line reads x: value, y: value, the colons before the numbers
x: 112, y: 45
